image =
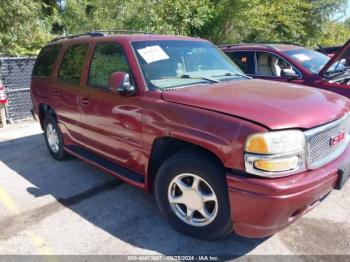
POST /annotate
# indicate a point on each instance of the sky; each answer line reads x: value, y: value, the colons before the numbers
x: 341, y: 15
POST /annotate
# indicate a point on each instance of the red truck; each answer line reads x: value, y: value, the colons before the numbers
x: 293, y: 63
x: 176, y: 117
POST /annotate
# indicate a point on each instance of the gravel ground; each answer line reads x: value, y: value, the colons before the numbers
x: 70, y: 207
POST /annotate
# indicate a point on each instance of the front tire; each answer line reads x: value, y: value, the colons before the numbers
x: 191, y: 192
x: 54, y: 138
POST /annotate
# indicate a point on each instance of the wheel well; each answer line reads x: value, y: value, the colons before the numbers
x: 43, y: 110
x: 163, y: 148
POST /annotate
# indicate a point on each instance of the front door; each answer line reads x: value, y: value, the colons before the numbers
x: 112, y: 123
x: 271, y: 67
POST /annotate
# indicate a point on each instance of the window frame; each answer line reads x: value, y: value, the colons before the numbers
x: 62, y: 60
x: 91, y: 58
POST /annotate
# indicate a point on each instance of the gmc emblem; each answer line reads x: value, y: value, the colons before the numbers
x: 337, y: 138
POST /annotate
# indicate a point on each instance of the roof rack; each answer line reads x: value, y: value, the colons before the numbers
x: 78, y: 35
x: 122, y: 31
x: 260, y: 43
x: 229, y: 45
x: 278, y: 42
x: 100, y: 33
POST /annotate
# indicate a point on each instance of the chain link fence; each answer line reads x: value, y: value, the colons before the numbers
x: 15, y: 74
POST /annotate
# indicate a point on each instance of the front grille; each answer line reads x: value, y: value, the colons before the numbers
x: 319, y: 148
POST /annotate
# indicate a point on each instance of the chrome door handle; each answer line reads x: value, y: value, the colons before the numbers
x: 85, y: 101
x: 56, y: 94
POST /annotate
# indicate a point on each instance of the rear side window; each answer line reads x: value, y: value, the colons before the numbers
x: 244, y: 59
x: 73, y: 63
x: 46, y: 60
x: 108, y: 58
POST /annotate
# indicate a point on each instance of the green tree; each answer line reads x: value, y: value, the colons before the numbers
x: 23, y: 29
x: 304, y: 21
x: 26, y: 25
x: 347, y: 23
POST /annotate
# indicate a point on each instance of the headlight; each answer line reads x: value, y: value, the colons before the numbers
x: 275, y: 154
x: 278, y: 142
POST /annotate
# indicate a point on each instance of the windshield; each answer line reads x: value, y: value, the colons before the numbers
x: 167, y: 64
x: 314, y: 61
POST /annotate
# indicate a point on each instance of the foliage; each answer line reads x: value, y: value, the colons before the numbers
x: 26, y: 25
x: 347, y: 23
x: 23, y: 29
x: 300, y: 21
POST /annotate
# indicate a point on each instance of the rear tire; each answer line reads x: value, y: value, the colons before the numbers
x: 191, y: 192
x: 54, y: 138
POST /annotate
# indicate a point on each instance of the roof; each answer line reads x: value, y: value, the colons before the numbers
x: 261, y: 46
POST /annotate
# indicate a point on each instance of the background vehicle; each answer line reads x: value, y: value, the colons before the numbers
x: 176, y: 117
x: 295, y: 64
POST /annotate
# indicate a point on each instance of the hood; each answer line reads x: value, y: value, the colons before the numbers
x: 272, y: 104
x: 341, y: 53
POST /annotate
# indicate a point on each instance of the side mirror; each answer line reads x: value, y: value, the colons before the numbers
x: 288, y: 72
x: 120, y: 82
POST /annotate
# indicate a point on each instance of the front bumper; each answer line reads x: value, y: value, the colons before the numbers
x: 262, y: 206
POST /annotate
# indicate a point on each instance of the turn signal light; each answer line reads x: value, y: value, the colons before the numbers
x: 277, y: 165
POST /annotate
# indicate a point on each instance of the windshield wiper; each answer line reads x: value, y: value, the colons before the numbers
x: 200, y: 77
x: 235, y: 74
x: 187, y: 76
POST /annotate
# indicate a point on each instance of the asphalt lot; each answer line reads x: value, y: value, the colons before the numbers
x: 51, y: 207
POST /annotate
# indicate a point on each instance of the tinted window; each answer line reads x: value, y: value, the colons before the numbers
x: 73, y: 63
x: 108, y: 58
x: 46, y: 60
x: 245, y: 60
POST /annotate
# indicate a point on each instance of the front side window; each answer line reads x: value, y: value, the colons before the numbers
x: 173, y: 63
x: 73, y: 63
x: 46, y: 60
x: 244, y: 59
x: 108, y: 58
x: 268, y: 64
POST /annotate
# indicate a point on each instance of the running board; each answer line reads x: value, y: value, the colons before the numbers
x: 105, y: 164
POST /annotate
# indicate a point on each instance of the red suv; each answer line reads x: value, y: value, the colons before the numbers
x: 295, y: 64
x: 174, y: 116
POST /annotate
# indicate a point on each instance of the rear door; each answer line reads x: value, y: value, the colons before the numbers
x: 41, y: 82
x: 66, y: 91
x: 112, y: 123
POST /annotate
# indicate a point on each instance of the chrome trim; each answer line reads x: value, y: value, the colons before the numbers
x: 310, y: 133
x: 250, y: 158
